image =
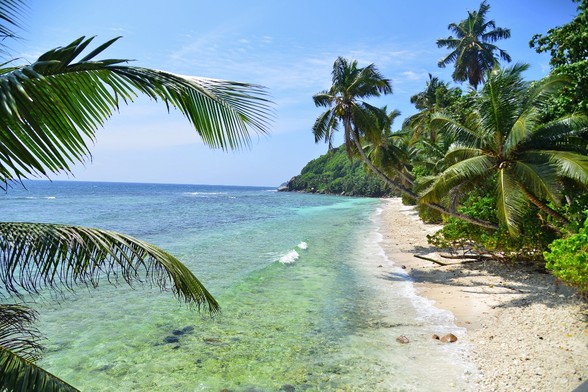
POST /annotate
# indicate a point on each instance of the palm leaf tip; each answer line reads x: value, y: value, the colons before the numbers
x: 35, y: 255
x: 19, y: 374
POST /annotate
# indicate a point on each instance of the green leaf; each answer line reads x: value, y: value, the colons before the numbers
x: 36, y: 255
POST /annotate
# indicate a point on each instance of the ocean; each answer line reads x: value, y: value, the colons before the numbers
x: 299, y: 311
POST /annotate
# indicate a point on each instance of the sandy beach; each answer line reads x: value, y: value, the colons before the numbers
x: 525, y: 332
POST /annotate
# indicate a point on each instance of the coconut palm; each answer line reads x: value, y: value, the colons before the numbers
x: 472, y: 50
x: 505, y: 140
x: 388, y: 151
x: 350, y: 85
x: 435, y: 96
x: 49, y: 111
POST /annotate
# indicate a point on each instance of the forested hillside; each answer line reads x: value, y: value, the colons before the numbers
x: 334, y: 173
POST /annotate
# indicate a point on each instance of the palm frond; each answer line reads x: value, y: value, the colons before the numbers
x: 540, y: 179
x: 19, y: 374
x: 568, y: 132
x: 510, y: 202
x: 35, y: 255
x: 18, y: 332
x: 48, y: 108
x: 10, y: 13
x: 466, y: 133
x: 570, y: 165
x: 324, y: 128
x: 468, y: 170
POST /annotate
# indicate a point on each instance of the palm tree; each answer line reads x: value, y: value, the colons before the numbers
x: 472, y: 50
x: 350, y: 85
x: 387, y: 150
x: 436, y: 96
x: 505, y: 140
x: 48, y: 111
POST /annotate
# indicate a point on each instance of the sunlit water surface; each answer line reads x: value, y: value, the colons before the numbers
x: 299, y: 310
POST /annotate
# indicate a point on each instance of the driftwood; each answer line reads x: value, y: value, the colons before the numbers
x: 442, y: 264
x: 431, y: 260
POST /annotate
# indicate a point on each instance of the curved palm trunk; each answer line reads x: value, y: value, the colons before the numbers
x: 544, y: 207
x: 408, y: 192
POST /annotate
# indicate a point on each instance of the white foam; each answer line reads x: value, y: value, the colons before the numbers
x: 289, y: 257
x: 204, y: 193
x: 303, y: 245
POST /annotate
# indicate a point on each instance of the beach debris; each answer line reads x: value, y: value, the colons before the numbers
x: 402, y: 339
x: 449, y: 338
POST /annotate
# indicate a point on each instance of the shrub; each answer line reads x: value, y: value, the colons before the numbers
x: 568, y: 259
x: 457, y: 234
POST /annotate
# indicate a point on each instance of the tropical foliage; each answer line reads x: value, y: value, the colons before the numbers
x: 568, y: 48
x: 364, y: 122
x: 472, y: 49
x: 505, y: 140
x: 568, y: 259
x: 49, y: 111
x: 334, y: 173
x: 504, y: 167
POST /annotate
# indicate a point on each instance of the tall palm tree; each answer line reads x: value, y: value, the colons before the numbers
x: 351, y: 85
x: 472, y: 50
x: 505, y: 140
x: 48, y: 111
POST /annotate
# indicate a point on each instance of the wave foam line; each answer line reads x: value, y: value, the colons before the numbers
x: 289, y: 257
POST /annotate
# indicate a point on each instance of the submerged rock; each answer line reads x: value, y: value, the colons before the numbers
x: 402, y: 339
x: 188, y: 329
x: 171, y: 339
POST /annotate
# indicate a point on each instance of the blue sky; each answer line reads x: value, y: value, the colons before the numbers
x: 287, y: 46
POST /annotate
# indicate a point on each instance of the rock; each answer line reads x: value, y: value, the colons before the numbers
x: 171, y: 339
x: 402, y: 339
x: 449, y: 338
x: 177, y: 332
x: 212, y: 340
x: 436, y: 337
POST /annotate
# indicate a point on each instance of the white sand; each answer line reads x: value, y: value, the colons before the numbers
x: 526, y: 332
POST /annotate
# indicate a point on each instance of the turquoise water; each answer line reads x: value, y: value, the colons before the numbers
x: 299, y: 311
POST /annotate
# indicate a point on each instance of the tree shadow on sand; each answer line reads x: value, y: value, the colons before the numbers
x: 526, y: 283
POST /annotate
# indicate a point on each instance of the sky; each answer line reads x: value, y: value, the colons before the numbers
x: 288, y: 46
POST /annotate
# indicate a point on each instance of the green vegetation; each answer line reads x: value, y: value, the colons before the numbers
x: 568, y: 259
x: 568, y: 47
x: 504, y: 167
x: 334, y: 173
x: 49, y: 109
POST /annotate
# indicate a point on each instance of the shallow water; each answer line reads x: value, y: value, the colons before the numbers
x: 300, y: 309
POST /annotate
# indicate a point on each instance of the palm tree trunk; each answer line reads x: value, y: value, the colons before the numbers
x: 408, y: 192
x: 544, y: 207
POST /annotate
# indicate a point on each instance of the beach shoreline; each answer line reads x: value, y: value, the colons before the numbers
x: 526, y: 332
